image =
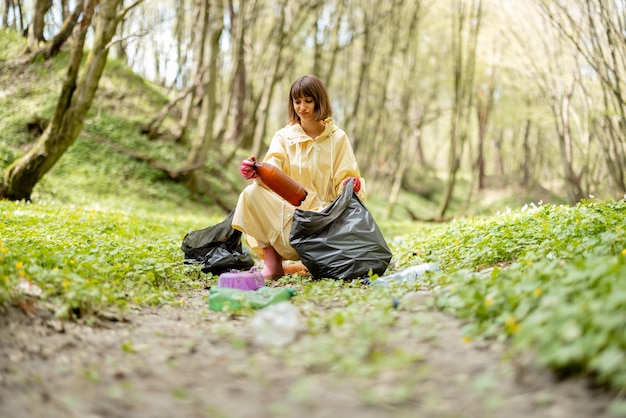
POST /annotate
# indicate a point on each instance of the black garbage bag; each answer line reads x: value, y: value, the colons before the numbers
x: 342, y: 241
x: 217, y: 247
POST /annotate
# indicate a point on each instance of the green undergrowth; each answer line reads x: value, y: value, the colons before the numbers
x: 547, y: 279
x: 86, y: 261
x: 550, y: 278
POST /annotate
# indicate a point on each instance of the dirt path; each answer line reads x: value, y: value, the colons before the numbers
x: 176, y: 362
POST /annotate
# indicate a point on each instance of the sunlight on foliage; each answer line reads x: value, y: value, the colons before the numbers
x: 551, y: 279
x: 85, y: 259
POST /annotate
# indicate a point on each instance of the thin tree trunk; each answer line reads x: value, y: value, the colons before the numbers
x: 484, y: 107
x: 200, y: 148
x: 37, y: 25
x: 198, y: 41
x: 463, y: 81
x: 526, y: 178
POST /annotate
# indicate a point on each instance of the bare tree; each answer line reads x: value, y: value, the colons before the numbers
x: 596, y: 30
x: 466, y: 23
x: 13, y: 7
x: 484, y: 107
x: 203, y: 141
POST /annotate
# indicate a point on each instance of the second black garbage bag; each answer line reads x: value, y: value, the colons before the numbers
x: 342, y: 241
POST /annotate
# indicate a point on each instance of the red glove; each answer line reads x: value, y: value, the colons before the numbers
x: 357, y: 183
x: 247, y: 168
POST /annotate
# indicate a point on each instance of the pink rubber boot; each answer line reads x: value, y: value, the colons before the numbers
x: 272, y: 264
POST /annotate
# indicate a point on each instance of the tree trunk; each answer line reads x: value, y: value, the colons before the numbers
x: 74, y: 102
x: 37, y: 25
x: 54, y: 46
x: 265, y: 101
x: 572, y: 180
x: 201, y: 146
x: 463, y: 83
x: 198, y: 41
x: 526, y: 178
x: 484, y: 107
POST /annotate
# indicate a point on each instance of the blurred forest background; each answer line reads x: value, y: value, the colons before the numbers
x: 442, y: 99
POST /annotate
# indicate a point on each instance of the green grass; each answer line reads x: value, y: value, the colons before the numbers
x: 550, y: 279
x: 104, y: 233
x: 88, y: 260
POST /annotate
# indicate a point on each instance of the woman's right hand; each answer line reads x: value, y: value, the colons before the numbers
x: 247, y: 168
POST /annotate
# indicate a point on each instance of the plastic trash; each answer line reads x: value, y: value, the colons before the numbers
x: 416, y: 300
x: 276, y: 325
x: 221, y: 297
x: 28, y: 288
x: 342, y: 241
x: 281, y: 183
x: 244, y: 280
x: 408, y: 275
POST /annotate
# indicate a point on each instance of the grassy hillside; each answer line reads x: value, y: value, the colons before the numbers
x: 96, y: 171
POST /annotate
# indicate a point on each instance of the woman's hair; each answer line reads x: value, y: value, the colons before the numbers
x: 310, y: 86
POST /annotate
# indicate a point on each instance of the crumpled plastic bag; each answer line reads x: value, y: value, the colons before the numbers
x: 217, y: 247
x: 342, y: 241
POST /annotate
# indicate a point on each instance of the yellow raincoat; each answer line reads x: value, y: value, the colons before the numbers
x: 319, y: 165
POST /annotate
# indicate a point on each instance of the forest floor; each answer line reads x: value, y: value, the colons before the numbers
x: 173, y: 361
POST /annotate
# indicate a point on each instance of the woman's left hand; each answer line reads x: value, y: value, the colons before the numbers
x: 357, y: 183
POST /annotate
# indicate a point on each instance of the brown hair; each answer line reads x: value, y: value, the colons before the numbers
x: 310, y: 86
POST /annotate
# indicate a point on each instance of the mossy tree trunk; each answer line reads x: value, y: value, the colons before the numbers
x: 37, y: 25
x: 74, y: 102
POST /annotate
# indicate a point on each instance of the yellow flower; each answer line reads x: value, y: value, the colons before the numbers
x: 537, y: 292
x: 452, y: 288
x: 624, y: 252
x: 511, y: 324
x: 467, y: 339
x: 66, y: 283
x: 488, y: 302
x: 19, y: 265
x: 72, y: 262
x: 4, y: 250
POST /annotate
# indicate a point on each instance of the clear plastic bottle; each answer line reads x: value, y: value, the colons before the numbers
x: 408, y: 275
x: 220, y: 297
x: 276, y: 325
x: 281, y: 183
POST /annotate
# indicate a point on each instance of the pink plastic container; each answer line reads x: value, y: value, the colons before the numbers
x: 244, y: 280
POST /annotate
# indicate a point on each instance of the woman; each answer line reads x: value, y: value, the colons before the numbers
x: 313, y: 151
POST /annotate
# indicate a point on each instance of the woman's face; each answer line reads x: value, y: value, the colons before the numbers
x: 305, y: 108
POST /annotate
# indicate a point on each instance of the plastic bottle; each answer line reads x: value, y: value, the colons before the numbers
x: 408, y: 275
x: 220, y: 297
x: 280, y: 182
x: 276, y: 325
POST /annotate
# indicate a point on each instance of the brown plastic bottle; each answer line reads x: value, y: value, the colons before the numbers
x: 281, y: 183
